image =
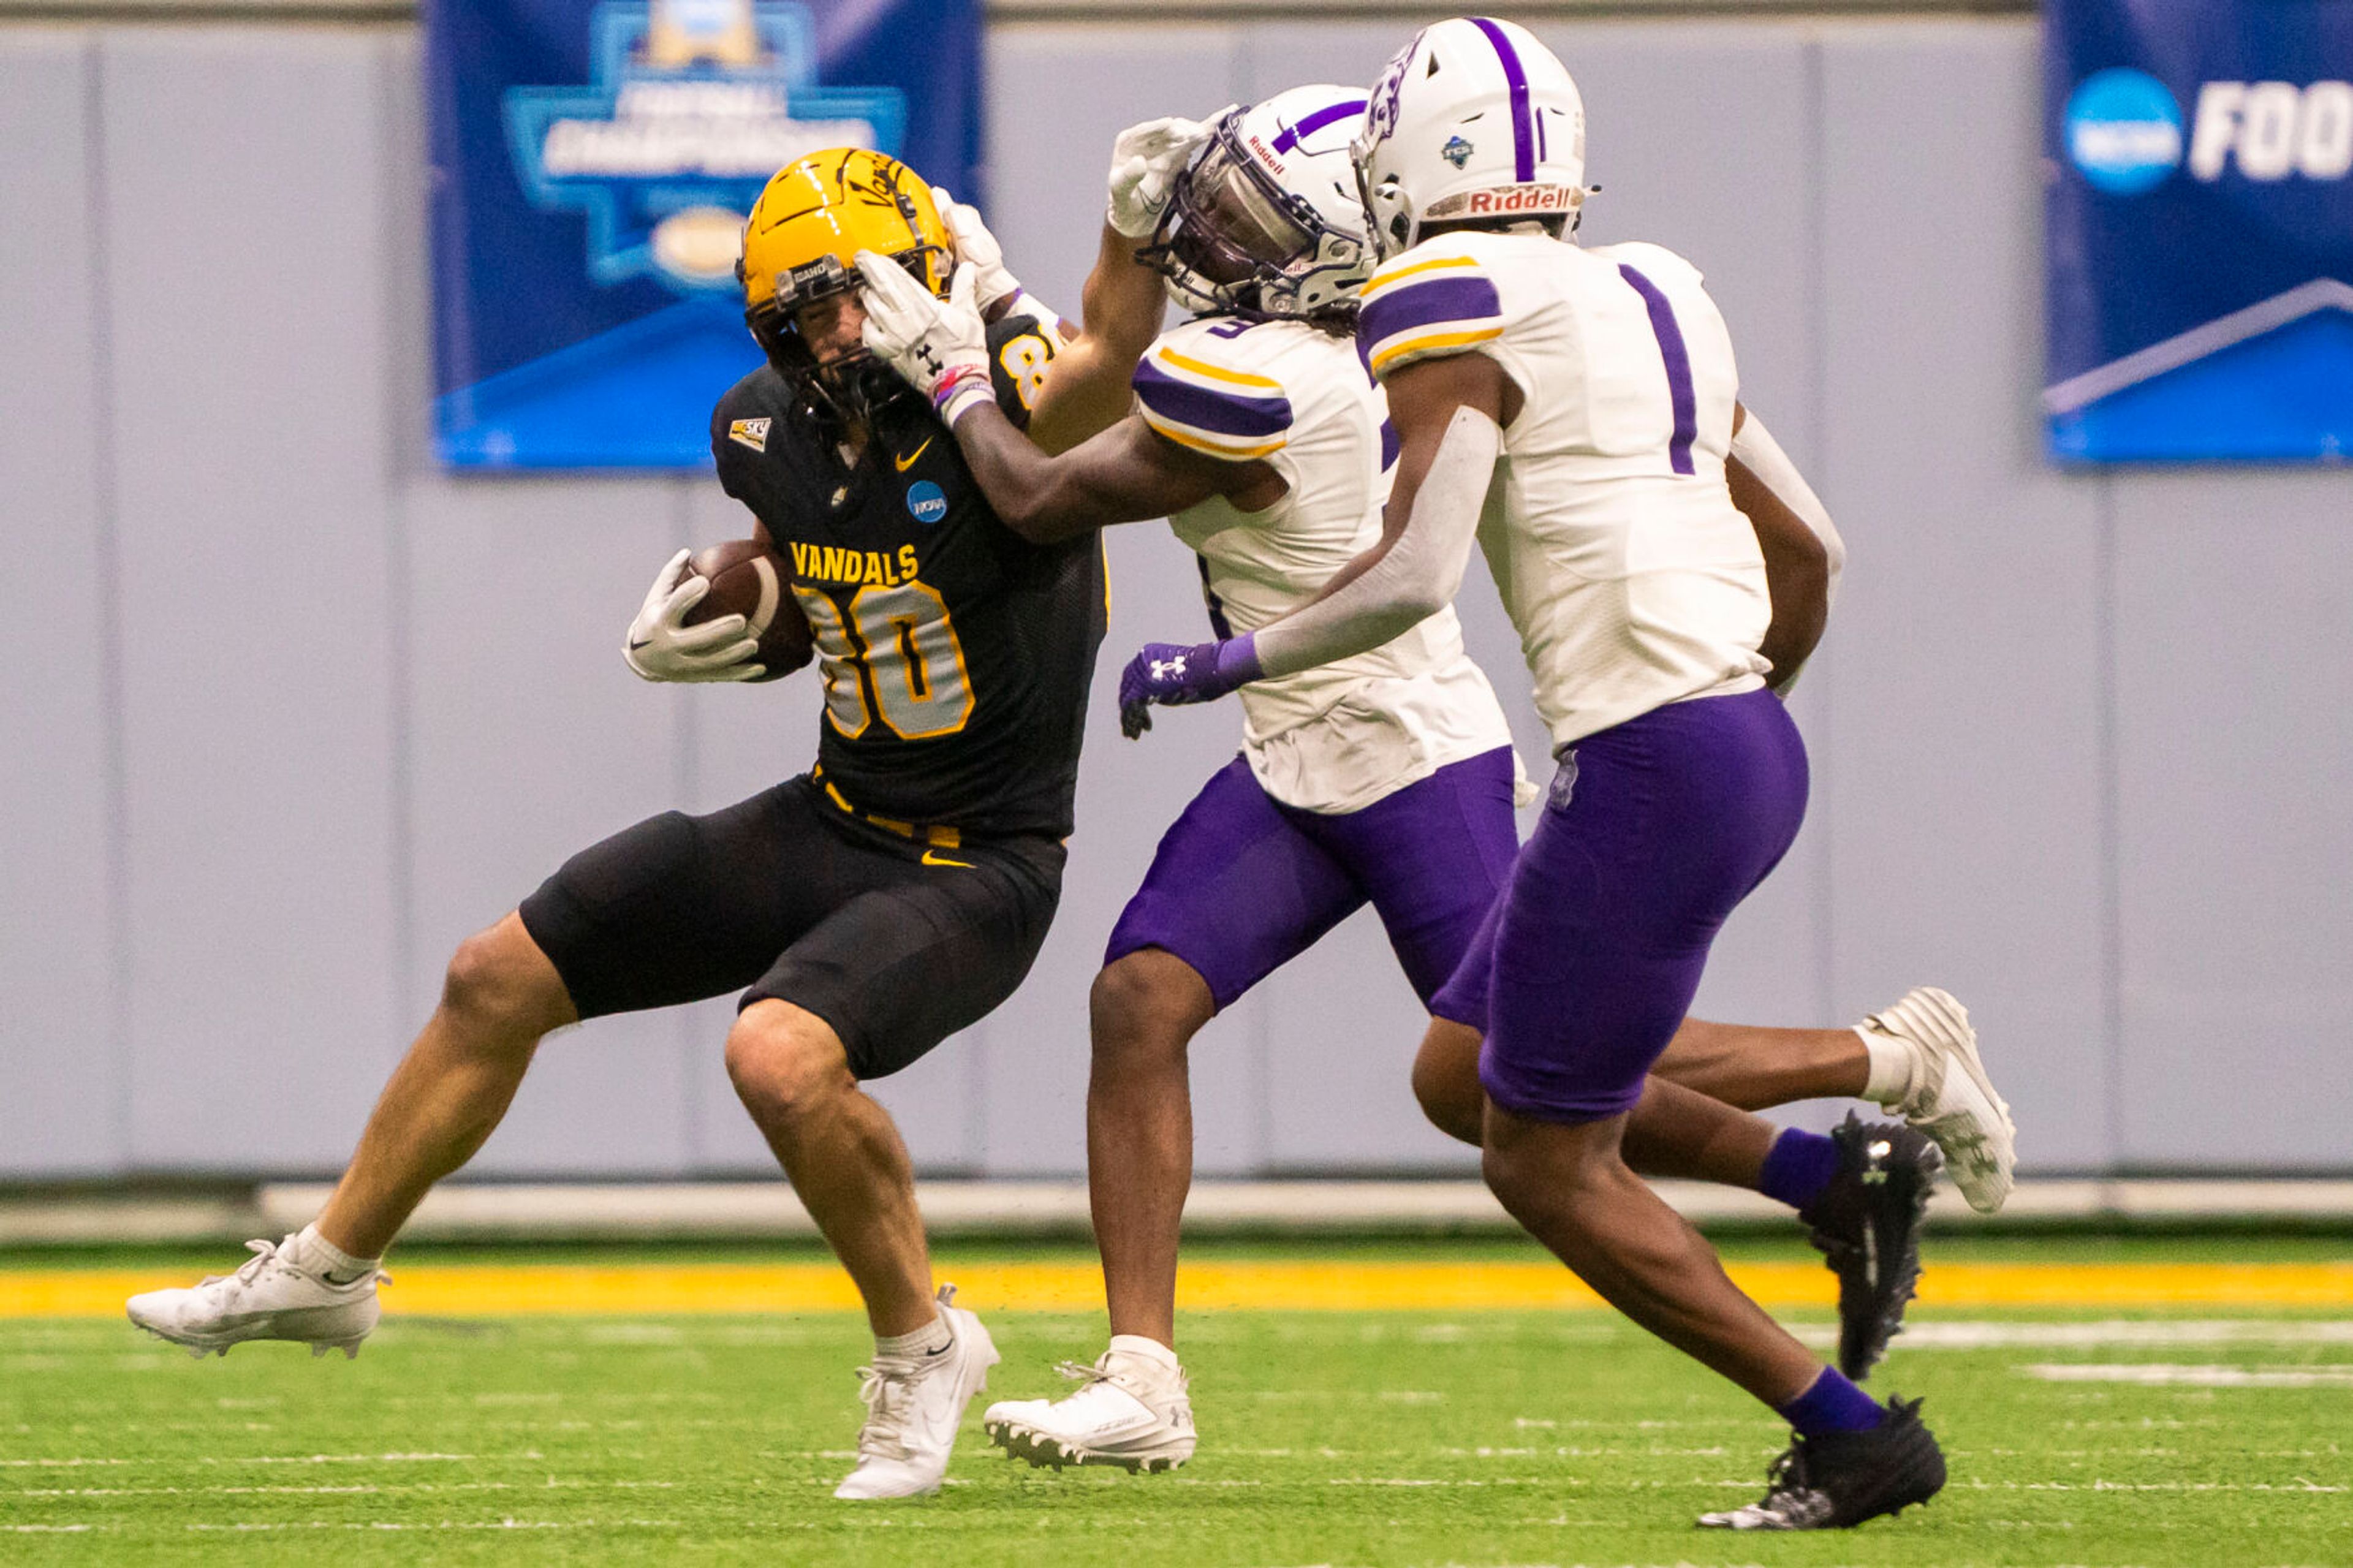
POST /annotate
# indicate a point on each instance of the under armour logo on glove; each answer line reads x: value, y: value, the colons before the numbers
x: 1171, y: 675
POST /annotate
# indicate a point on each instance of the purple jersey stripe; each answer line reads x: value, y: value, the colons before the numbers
x: 1293, y: 134
x: 1218, y: 622
x: 1680, y: 396
x: 1232, y: 413
x: 1421, y: 303
x: 1523, y: 136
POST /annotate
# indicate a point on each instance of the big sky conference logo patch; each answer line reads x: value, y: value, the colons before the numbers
x: 2125, y: 130
x: 693, y: 105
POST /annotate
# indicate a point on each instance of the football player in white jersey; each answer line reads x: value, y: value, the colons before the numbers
x: 1574, y: 411
x: 1386, y: 778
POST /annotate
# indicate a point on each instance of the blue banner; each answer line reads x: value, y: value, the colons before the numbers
x: 2201, y: 229
x: 592, y: 162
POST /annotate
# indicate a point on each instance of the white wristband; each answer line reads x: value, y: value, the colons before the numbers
x: 961, y: 394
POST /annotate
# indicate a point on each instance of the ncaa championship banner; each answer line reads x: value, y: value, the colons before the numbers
x: 592, y: 160
x: 2201, y: 229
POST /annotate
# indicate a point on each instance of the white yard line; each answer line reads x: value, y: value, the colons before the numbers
x: 242, y: 1527
x: 2001, y: 1334
x: 2178, y: 1374
x: 72, y: 1463
x: 384, y: 1489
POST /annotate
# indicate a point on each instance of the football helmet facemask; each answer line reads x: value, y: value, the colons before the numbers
x: 800, y: 246
x: 1265, y: 223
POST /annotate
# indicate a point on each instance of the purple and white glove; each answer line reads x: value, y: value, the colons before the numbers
x: 1171, y: 674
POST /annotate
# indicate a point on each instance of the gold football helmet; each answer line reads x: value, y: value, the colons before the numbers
x: 800, y: 245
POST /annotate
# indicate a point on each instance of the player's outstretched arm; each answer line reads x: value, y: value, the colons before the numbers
x: 1449, y: 414
x: 1086, y: 388
x: 1803, y: 553
x: 1124, y: 475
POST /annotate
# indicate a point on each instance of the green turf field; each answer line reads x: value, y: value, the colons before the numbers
x: 1375, y: 1437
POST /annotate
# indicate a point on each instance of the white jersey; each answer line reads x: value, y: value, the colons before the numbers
x: 1338, y: 738
x: 1632, y: 578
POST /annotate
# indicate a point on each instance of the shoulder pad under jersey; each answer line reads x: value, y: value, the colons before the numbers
x: 1435, y: 300
x: 1204, y: 385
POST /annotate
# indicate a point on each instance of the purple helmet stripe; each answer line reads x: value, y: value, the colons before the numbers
x: 1293, y: 134
x: 1524, y: 139
x: 1683, y: 402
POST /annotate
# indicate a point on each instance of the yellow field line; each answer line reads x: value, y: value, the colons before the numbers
x: 493, y: 1290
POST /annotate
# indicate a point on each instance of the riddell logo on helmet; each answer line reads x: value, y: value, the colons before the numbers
x: 1267, y: 155
x: 1510, y: 199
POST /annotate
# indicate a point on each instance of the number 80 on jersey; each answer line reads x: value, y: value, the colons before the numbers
x: 894, y: 656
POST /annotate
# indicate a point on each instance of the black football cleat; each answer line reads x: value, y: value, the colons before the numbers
x: 1837, y: 1480
x: 1866, y: 1225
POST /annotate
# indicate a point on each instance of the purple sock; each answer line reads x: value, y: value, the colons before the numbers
x: 1832, y: 1403
x: 1798, y: 1167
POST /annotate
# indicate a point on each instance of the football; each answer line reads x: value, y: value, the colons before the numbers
x: 748, y: 580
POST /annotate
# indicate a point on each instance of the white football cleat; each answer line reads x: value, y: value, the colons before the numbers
x: 914, y: 1406
x: 1952, y: 1100
x: 1129, y: 1412
x: 271, y: 1298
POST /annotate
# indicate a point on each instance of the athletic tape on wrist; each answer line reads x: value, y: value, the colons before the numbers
x: 959, y: 392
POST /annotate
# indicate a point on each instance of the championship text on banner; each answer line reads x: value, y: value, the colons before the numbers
x: 592, y: 160
x: 2200, y: 232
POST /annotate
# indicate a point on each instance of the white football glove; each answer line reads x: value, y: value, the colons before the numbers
x: 662, y: 647
x: 1145, y: 163
x: 977, y: 248
x: 939, y: 346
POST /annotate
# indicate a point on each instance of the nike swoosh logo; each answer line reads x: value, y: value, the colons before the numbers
x: 942, y: 1351
x: 908, y: 460
x: 642, y: 642
x: 934, y: 858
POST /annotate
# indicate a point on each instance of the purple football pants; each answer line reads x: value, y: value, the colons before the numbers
x: 1585, y: 966
x: 1242, y: 884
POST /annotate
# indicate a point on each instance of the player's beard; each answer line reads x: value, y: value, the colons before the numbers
x: 848, y: 389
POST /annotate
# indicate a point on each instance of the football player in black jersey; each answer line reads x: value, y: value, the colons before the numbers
x: 890, y: 897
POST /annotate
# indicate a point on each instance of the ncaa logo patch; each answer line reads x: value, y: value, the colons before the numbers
x: 2124, y: 130
x: 927, y: 502
x: 1456, y: 152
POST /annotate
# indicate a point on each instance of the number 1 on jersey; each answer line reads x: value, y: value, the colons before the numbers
x: 1681, y: 398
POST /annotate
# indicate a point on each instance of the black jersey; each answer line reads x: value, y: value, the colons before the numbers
x: 956, y: 655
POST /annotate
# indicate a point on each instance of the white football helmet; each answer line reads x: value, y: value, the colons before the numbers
x: 1265, y: 222
x: 1472, y: 119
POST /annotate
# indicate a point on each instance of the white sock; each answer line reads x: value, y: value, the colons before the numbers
x: 1892, y: 1062
x: 1146, y: 1348
x: 929, y: 1340
x: 324, y: 1258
